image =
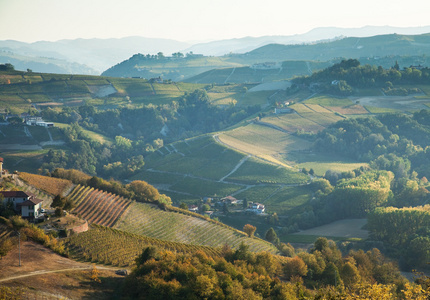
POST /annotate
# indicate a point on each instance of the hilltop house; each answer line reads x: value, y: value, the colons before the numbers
x: 193, y: 208
x: 229, y: 200
x: 37, y: 121
x: 26, y: 204
x: 256, y: 208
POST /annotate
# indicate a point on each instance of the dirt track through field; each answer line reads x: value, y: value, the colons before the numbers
x: 38, y: 260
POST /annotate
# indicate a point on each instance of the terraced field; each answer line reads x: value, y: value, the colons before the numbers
x: 149, y: 220
x: 118, y: 248
x: 51, y: 185
x: 97, y: 206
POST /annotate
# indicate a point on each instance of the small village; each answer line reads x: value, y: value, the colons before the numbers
x: 212, y: 206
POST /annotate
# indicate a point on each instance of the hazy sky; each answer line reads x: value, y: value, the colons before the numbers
x: 197, y: 20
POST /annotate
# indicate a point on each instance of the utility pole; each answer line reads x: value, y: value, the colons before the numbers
x: 19, y: 247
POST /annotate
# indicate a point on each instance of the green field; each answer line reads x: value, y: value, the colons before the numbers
x: 255, y: 171
x: 288, y: 198
x: 201, y: 188
x: 149, y: 220
x: 328, y: 101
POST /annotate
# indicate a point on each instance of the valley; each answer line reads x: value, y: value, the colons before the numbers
x: 227, y: 169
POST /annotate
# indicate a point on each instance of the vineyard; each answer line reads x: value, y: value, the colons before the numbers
x: 148, y: 220
x: 51, y: 185
x: 98, y: 206
x: 118, y: 248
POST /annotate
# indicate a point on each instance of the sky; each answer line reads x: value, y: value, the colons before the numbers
x: 197, y: 20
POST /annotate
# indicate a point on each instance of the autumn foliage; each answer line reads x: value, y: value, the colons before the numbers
x: 53, y: 186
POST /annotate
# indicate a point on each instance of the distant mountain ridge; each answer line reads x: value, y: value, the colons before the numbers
x: 370, y: 50
x: 246, y: 44
x: 93, y: 56
x: 96, y: 55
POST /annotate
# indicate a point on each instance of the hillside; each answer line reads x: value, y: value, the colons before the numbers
x: 23, y: 91
x: 382, y: 50
x: 351, y: 47
x: 82, y: 56
x: 98, y: 207
x: 259, y: 73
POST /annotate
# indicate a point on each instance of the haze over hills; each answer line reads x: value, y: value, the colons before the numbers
x: 370, y: 50
x: 93, y: 56
x: 246, y: 44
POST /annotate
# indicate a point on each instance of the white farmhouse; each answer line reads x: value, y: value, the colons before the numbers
x: 26, y: 204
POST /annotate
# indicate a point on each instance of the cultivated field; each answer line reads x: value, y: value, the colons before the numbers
x: 118, y: 248
x: 148, y: 220
x: 97, y: 206
x: 51, y: 185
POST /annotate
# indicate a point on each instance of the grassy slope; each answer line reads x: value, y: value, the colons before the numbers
x: 149, y: 220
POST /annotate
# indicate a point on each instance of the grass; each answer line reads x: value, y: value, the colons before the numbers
x: 24, y: 161
x: 259, y: 139
x: 255, y: 171
x: 198, y: 157
x: 380, y: 110
x: 328, y: 101
x: 350, y: 110
x: 294, y: 122
x: 201, y: 188
x: 321, y: 162
x: 157, y: 177
x: 288, y: 198
x: 258, y: 193
x: 255, y: 98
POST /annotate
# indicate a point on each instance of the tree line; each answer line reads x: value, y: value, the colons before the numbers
x: 322, y: 273
x: 406, y: 231
x: 343, y: 77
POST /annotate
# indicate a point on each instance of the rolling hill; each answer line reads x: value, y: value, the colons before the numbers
x: 369, y: 49
x: 143, y: 219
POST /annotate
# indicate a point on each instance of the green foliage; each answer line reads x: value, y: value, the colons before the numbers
x: 341, y: 77
x: 271, y: 236
x: 404, y: 229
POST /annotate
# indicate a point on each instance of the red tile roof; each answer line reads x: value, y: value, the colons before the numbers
x: 30, y: 202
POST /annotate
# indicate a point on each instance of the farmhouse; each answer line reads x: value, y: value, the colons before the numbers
x: 25, y: 204
x: 37, y: 121
x: 193, y: 208
x: 256, y: 208
x: 229, y: 200
x: 283, y: 110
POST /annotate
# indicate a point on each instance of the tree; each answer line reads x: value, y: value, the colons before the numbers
x: 58, y: 201
x: 144, y: 191
x: 6, y: 67
x: 249, y: 229
x: 271, y: 236
x: 5, y: 247
x: 205, y: 207
x: 295, y: 267
x: 225, y: 208
x: 245, y: 203
x: 183, y: 206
